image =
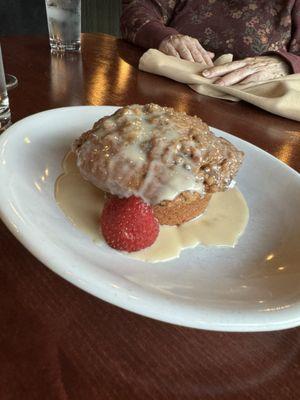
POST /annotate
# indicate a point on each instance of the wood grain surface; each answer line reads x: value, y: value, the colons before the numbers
x: 58, y: 342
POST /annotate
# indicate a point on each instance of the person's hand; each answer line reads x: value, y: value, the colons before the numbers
x: 251, y: 69
x: 186, y: 47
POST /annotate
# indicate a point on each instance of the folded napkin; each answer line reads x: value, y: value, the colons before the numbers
x: 279, y: 96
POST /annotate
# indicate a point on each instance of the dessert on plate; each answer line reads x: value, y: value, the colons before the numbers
x: 169, y: 159
x: 156, y: 162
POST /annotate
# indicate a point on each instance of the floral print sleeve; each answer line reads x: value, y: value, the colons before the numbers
x: 245, y: 28
x: 144, y: 22
x: 292, y: 53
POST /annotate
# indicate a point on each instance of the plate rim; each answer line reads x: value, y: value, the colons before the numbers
x: 130, y: 305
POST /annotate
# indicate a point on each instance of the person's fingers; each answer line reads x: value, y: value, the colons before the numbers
x: 224, y: 69
x: 191, y: 45
x: 235, y: 76
x: 170, y: 50
x: 206, y: 55
x: 207, y: 58
x: 209, y: 61
x: 256, y: 77
x: 197, y: 56
x: 184, y: 52
x: 187, y: 48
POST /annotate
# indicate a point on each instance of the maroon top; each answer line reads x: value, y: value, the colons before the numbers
x: 241, y: 27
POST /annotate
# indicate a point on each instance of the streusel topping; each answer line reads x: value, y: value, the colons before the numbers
x: 155, y: 153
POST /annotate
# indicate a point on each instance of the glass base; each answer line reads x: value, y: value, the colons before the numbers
x: 60, y: 47
x: 5, y: 120
x: 11, y: 81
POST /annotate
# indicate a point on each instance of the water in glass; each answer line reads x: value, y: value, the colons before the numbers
x: 64, y: 24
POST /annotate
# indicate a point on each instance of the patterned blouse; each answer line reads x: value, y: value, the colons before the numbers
x: 241, y: 27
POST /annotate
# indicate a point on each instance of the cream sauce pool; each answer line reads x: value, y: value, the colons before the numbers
x: 223, y: 222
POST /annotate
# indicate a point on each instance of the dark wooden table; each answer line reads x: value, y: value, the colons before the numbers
x: 58, y: 342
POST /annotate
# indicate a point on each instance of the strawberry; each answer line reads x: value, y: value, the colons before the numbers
x: 128, y: 224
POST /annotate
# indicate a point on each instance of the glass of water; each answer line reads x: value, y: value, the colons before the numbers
x: 4, y: 102
x: 64, y: 24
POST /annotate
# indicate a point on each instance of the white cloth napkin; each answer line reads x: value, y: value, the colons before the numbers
x: 279, y: 96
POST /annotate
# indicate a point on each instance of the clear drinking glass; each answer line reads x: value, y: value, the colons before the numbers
x: 4, y: 102
x: 64, y: 24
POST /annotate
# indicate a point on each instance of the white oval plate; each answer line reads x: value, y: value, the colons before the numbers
x: 252, y: 287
